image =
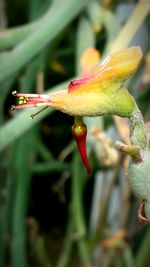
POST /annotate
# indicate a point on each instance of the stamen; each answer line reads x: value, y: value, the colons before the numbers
x: 43, y: 96
x: 31, y: 105
x: 14, y: 93
x: 31, y: 100
x: 37, y: 100
x: 38, y: 112
x: 23, y: 100
x: 13, y: 107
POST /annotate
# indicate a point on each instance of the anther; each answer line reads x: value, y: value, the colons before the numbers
x: 13, y: 107
x: 14, y: 93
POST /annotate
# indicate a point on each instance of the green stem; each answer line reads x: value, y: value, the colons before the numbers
x: 43, y: 151
x: 137, y: 129
x: 77, y: 212
x: 112, y: 26
x: 3, y: 214
x: 77, y: 207
x: 67, y: 248
x: 85, y: 39
x: 132, y: 26
x: 78, y: 120
x: 142, y: 257
x: 22, y: 173
x: 53, y: 166
x: 12, y: 37
x: 84, y: 252
x: 58, y: 17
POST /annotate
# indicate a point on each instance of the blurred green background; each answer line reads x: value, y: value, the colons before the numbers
x: 51, y: 212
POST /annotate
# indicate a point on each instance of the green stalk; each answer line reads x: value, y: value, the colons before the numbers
x: 77, y: 211
x: 142, y: 257
x: 85, y: 38
x: 138, y: 134
x: 56, y: 19
x: 77, y: 208
x: 22, y: 173
x: 12, y: 37
x: 53, y: 166
x: 3, y: 214
x: 78, y: 120
x: 43, y: 151
x: 67, y: 247
x: 132, y: 26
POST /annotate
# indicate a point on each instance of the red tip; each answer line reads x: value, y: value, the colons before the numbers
x: 73, y: 85
x: 79, y: 133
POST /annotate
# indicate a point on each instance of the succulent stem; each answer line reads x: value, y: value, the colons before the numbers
x: 138, y: 134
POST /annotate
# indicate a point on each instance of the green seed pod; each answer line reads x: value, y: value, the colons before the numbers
x: 139, y: 175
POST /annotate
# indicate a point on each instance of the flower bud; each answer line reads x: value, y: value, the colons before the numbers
x: 79, y: 132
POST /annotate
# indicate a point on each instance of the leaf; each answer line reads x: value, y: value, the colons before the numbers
x: 56, y: 19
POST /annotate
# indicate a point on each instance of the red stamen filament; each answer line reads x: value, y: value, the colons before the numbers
x: 30, y: 105
x: 31, y: 100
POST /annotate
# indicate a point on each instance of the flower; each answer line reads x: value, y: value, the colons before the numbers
x: 99, y: 91
x: 102, y: 90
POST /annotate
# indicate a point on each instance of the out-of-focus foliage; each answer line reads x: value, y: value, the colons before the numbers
x: 51, y: 212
